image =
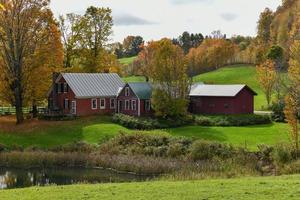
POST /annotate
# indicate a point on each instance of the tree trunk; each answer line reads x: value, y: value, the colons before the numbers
x: 34, y: 110
x: 19, y: 104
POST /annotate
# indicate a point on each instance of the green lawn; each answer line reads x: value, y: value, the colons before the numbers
x: 131, y: 79
x: 127, y: 61
x: 260, y: 188
x: 96, y: 129
x: 239, y: 74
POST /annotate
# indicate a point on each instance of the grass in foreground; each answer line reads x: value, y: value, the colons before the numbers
x: 98, y: 128
x: 285, y: 187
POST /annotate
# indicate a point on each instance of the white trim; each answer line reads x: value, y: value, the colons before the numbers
x: 92, y: 105
x: 66, y: 107
x: 147, y: 108
x: 65, y: 86
x: 73, y: 107
x: 102, y: 107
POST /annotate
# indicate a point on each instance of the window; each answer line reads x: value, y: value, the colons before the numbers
x: 58, y: 88
x: 127, y: 92
x: 226, y: 105
x: 66, y: 88
x: 212, y: 105
x: 127, y: 105
x: 94, y: 104
x: 133, y: 105
x: 147, y: 105
x: 112, y: 103
x: 102, y: 104
x: 66, y: 104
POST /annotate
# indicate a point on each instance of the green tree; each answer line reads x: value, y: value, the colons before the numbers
x: 264, y: 26
x: 169, y: 76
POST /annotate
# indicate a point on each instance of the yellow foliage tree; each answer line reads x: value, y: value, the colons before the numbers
x: 266, y: 74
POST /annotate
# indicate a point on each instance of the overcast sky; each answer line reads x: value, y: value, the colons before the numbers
x: 155, y: 19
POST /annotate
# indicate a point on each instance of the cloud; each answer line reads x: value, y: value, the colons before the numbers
x: 130, y: 20
x: 228, y: 16
x: 181, y: 2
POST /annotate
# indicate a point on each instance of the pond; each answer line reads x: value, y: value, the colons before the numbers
x: 17, y: 178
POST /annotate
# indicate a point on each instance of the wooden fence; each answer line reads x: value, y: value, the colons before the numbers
x: 12, y: 110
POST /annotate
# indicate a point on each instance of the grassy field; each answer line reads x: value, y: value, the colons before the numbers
x: 127, y: 61
x: 261, y: 188
x: 96, y: 129
x: 134, y: 79
x: 236, y: 75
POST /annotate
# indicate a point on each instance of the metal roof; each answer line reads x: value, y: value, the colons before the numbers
x: 217, y: 90
x: 88, y: 85
x: 142, y: 90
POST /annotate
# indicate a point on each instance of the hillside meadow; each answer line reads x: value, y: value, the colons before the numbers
x: 266, y: 188
x: 97, y: 129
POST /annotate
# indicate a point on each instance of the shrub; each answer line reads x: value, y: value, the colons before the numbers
x: 135, y: 123
x: 278, y: 111
x: 231, y: 120
x: 282, y: 154
x: 203, y: 150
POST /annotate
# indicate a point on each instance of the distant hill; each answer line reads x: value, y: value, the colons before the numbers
x: 127, y: 61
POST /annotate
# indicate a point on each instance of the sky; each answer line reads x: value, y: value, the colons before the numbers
x: 155, y: 19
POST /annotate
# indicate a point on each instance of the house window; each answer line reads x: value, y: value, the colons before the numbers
x: 147, y: 105
x: 112, y: 103
x: 66, y: 88
x: 66, y: 104
x: 102, y: 104
x: 127, y: 93
x: 133, y: 105
x: 226, y: 105
x: 58, y: 88
x: 127, y: 105
x: 94, y: 104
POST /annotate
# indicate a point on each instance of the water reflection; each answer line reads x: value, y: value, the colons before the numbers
x: 16, y: 178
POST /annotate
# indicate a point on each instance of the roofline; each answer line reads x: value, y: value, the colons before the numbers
x: 127, y: 84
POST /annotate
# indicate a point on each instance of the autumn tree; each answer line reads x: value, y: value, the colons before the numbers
x: 70, y: 32
x: 266, y: 74
x: 187, y: 41
x: 22, y: 27
x: 169, y: 76
x: 96, y: 27
x: 264, y: 26
x: 292, y: 108
x: 132, y: 45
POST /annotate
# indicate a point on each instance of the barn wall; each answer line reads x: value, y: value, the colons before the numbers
x: 243, y: 103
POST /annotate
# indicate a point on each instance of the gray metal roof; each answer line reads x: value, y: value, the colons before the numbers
x: 217, y: 90
x: 87, y: 85
x: 142, y: 90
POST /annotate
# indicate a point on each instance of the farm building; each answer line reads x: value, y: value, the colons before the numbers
x: 83, y: 94
x: 221, y: 99
x: 135, y: 99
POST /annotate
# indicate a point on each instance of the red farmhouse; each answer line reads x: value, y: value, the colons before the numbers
x: 221, y: 99
x: 84, y: 94
x: 135, y: 99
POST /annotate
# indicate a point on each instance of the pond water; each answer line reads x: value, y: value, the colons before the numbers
x: 16, y: 178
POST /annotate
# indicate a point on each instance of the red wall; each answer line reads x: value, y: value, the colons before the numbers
x: 243, y: 103
x: 122, y: 98
x: 83, y: 106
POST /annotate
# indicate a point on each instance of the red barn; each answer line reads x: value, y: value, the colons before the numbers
x: 83, y: 94
x: 135, y: 99
x: 221, y: 99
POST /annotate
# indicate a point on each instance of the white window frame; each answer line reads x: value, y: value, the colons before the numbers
x: 112, y: 100
x: 127, y: 105
x: 59, y: 88
x: 127, y: 92
x: 92, y: 104
x: 66, y: 104
x: 73, y: 107
x: 101, y: 101
x: 148, y: 102
x: 133, y: 105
